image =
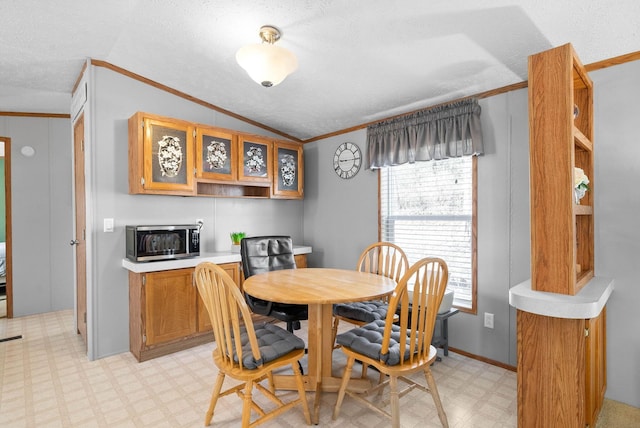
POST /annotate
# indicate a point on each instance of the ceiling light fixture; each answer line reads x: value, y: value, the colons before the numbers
x: 265, y: 62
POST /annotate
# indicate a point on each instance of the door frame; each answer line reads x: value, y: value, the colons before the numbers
x: 79, y: 229
x: 7, y: 204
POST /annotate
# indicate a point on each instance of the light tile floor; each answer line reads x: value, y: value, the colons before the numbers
x: 47, y: 381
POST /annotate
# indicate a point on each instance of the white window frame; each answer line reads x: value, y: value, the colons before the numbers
x: 462, y: 299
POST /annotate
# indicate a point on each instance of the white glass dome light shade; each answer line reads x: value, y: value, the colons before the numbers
x: 267, y: 64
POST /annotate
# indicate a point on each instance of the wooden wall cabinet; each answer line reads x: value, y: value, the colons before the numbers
x: 161, y: 155
x: 175, y: 157
x: 288, y: 167
x: 560, y: 138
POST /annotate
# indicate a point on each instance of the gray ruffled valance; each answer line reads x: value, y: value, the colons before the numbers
x: 442, y: 132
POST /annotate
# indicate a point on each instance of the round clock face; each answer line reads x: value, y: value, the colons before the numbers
x: 347, y: 160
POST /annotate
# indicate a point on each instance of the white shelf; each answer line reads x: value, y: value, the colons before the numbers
x: 588, y: 303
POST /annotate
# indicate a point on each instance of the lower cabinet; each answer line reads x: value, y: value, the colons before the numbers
x: 561, y: 370
x: 166, y: 313
x: 170, y: 310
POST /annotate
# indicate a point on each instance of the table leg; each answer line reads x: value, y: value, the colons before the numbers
x: 314, y: 356
x: 319, y: 375
x: 320, y: 343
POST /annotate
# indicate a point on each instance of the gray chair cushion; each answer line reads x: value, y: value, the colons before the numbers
x: 367, y: 340
x: 273, y: 341
x: 362, y: 311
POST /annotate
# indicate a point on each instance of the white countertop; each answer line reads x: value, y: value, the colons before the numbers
x: 588, y: 303
x: 221, y: 257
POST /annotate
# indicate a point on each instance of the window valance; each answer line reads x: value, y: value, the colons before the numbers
x: 442, y: 132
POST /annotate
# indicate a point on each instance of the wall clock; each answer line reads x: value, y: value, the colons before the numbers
x: 347, y: 160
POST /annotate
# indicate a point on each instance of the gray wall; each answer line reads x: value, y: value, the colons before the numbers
x: 617, y: 203
x: 113, y: 99
x: 41, y: 214
x: 341, y: 218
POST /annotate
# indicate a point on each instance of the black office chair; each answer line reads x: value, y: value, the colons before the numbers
x: 263, y: 254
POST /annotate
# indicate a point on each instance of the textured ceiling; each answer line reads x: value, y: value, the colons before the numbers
x: 359, y: 60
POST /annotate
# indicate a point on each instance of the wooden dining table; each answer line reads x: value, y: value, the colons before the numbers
x: 319, y: 288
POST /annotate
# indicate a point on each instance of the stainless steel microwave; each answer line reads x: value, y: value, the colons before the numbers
x: 150, y: 243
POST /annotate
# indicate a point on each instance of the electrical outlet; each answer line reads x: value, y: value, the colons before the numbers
x: 488, y: 320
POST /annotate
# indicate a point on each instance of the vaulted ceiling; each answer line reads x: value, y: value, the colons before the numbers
x: 359, y: 60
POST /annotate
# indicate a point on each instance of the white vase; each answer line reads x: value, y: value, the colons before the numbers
x: 235, y: 248
x: 578, y: 194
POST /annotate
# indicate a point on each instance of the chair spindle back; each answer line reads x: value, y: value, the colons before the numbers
x: 418, y: 309
x: 229, y: 313
x: 383, y: 258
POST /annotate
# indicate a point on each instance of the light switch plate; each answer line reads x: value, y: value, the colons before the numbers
x: 108, y: 225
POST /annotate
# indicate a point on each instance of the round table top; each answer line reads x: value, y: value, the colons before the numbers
x: 318, y: 286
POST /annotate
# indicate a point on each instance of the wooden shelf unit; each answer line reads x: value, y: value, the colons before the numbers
x: 562, y: 232
x: 561, y: 361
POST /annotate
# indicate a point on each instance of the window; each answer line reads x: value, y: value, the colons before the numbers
x: 428, y: 209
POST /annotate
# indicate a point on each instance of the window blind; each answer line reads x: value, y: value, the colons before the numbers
x: 427, y: 209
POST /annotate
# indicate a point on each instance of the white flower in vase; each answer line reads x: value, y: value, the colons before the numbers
x: 580, y: 184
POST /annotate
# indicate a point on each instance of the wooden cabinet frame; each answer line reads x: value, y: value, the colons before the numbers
x: 288, y: 167
x: 561, y: 232
x: 254, y: 161
x: 216, y: 154
x: 160, y: 155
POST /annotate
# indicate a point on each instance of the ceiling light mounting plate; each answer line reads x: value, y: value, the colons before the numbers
x: 269, y: 34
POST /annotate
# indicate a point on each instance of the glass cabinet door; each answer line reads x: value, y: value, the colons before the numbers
x: 216, y: 154
x: 255, y: 159
x: 288, y: 179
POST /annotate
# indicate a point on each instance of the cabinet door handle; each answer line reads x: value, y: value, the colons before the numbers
x: 74, y: 242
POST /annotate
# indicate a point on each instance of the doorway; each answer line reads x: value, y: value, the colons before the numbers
x: 6, y: 289
x: 80, y: 229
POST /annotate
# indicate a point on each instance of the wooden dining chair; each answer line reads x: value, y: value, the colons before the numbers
x: 398, y: 349
x: 382, y: 258
x: 246, y: 352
